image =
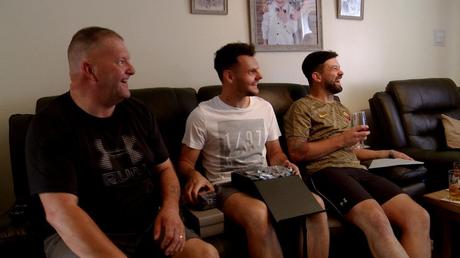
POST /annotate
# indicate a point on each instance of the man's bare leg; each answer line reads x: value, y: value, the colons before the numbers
x: 414, y: 222
x: 370, y: 217
x: 318, y: 233
x: 253, y: 216
x: 197, y: 248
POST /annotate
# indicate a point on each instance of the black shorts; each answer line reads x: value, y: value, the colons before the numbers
x: 343, y: 188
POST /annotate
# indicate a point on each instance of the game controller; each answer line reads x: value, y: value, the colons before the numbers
x: 207, y: 200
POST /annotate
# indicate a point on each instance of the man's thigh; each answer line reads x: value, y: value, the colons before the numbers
x: 339, y: 188
x: 244, y: 209
x: 402, y: 209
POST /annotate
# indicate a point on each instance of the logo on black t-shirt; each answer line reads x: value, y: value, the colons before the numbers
x: 120, y: 164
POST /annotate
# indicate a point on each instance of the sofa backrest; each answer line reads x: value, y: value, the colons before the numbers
x: 409, y: 111
x: 420, y: 103
x: 171, y: 107
x: 18, y: 125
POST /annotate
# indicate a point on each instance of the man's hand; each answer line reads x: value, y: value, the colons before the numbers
x: 292, y: 166
x: 170, y: 230
x: 398, y: 155
x: 194, y: 185
x: 354, y: 135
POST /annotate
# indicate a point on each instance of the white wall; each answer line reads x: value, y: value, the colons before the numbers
x: 171, y: 47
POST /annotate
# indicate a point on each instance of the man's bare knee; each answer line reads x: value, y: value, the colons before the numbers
x: 247, y: 211
x: 198, y: 248
x: 407, y: 214
x: 370, y: 217
x: 258, y: 216
x: 418, y: 220
x: 320, y: 201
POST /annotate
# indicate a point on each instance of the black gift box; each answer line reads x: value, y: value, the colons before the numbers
x: 286, y: 197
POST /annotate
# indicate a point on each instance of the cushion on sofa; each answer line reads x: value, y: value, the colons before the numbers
x: 451, y: 131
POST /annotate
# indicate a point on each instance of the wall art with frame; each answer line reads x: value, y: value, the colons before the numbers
x: 350, y: 9
x: 209, y: 6
x: 286, y: 25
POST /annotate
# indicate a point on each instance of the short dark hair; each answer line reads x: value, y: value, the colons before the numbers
x: 85, y: 39
x: 314, y: 61
x: 227, y: 56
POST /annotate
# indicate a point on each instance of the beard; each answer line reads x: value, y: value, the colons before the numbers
x: 333, y: 87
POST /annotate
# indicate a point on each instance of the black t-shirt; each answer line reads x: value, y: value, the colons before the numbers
x: 107, y: 162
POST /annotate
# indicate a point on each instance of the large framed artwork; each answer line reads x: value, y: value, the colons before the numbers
x: 286, y: 25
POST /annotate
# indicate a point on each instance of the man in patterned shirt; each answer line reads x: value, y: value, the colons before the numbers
x: 318, y: 132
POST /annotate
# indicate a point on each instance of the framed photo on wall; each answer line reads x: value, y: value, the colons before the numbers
x: 286, y: 25
x: 350, y: 9
x: 209, y: 6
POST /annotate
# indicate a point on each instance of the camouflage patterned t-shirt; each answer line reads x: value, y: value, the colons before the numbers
x: 314, y: 120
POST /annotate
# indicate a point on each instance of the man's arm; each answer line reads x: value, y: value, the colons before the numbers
x: 168, y: 224
x: 366, y: 154
x: 302, y: 150
x: 76, y: 228
x: 195, y: 182
x: 276, y: 156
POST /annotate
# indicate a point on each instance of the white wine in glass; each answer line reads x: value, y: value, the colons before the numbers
x: 359, y: 118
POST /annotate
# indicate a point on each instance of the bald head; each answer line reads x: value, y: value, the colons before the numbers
x: 83, y: 42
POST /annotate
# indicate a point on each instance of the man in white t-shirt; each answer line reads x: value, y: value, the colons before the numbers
x: 233, y: 131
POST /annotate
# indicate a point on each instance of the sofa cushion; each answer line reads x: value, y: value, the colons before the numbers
x: 451, y: 131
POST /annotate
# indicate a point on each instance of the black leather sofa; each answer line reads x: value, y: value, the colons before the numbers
x: 171, y: 106
x: 408, y: 114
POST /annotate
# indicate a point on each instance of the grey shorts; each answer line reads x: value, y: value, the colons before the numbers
x: 133, y: 245
x: 224, y: 191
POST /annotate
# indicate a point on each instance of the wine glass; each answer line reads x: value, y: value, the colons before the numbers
x: 359, y: 118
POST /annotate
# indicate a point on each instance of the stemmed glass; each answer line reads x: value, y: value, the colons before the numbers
x: 359, y: 118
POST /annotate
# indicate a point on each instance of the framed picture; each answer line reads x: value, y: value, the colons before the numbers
x: 350, y: 9
x: 286, y: 25
x: 209, y: 6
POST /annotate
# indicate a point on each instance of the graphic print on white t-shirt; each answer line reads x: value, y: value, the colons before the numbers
x: 241, y: 143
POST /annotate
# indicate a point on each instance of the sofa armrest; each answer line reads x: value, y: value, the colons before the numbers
x: 402, y: 175
x: 433, y: 156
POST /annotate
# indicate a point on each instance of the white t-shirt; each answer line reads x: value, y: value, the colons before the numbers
x: 230, y: 138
